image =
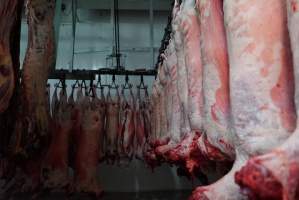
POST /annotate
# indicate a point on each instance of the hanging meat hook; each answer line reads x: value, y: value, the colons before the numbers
x: 127, y: 85
x: 142, y: 85
x: 113, y: 84
x: 91, y: 91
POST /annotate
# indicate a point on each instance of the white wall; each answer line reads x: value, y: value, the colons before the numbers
x: 94, y: 35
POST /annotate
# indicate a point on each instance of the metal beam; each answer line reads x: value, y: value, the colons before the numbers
x: 57, y: 20
x: 74, y: 23
x: 90, y: 74
x: 124, y: 4
x: 151, y: 20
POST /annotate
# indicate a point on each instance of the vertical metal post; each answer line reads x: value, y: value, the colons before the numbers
x: 57, y: 20
x: 74, y: 23
x: 151, y: 16
x: 112, y: 25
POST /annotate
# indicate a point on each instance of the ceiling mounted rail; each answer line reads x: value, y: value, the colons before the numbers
x: 91, y: 74
x: 116, y: 35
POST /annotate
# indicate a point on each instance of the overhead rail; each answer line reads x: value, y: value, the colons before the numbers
x: 91, y: 74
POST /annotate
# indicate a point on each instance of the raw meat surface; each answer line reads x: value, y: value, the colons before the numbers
x: 88, y: 148
x: 215, y: 80
x: 190, y: 29
x: 112, y: 127
x: 10, y: 31
x: 55, y: 166
x: 182, y: 82
x: 276, y: 175
x: 101, y: 105
x: 8, y: 13
x: 261, y: 85
x: 127, y: 126
x: 139, y: 126
x: 40, y: 57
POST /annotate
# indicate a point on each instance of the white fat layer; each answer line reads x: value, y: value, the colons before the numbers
x: 255, y: 130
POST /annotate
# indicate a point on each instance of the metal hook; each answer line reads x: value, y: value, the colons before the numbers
x: 142, y: 85
x: 113, y: 85
x: 99, y: 83
x: 127, y: 85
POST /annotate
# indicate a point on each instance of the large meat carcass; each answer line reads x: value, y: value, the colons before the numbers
x: 8, y: 67
x: 88, y: 146
x: 188, y: 32
x: 217, y: 141
x: 146, y: 112
x: 168, y: 78
x: 261, y: 85
x: 182, y: 82
x: 10, y: 29
x: 112, y: 127
x: 140, y: 137
x: 33, y: 123
x: 128, y: 127
x: 168, y: 137
x: 101, y: 102
x: 161, y: 144
x: 55, y: 169
x: 153, y: 141
x: 275, y: 175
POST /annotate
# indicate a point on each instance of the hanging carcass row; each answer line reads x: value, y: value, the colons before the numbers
x: 261, y: 85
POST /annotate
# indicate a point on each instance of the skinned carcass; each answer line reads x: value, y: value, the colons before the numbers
x: 140, y: 137
x: 112, y: 127
x: 33, y: 123
x: 10, y: 31
x: 174, y: 132
x: 190, y: 33
x: 171, y: 74
x: 187, y: 32
x: 217, y: 141
x: 150, y: 156
x: 182, y: 80
x: 127, y: 126
x: 261, y: 86
x: 88, y: 146
x: 8, y: 67
x: 275, y: 175
x: 146, y: 109
x: 101, y: 102
x: 146, y: 112
x: 164, y: 143
x: 55, y: 165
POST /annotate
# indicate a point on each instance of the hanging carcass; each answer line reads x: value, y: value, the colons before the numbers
x: 112, y: 126
x: 33, y: 119
x: 127, y: 124
x: 88, y: 144
x: 55, y: 169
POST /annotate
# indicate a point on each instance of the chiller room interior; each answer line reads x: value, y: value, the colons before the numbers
x: 149, y: 99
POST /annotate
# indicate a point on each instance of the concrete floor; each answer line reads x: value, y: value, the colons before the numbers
x: 167, y: 195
